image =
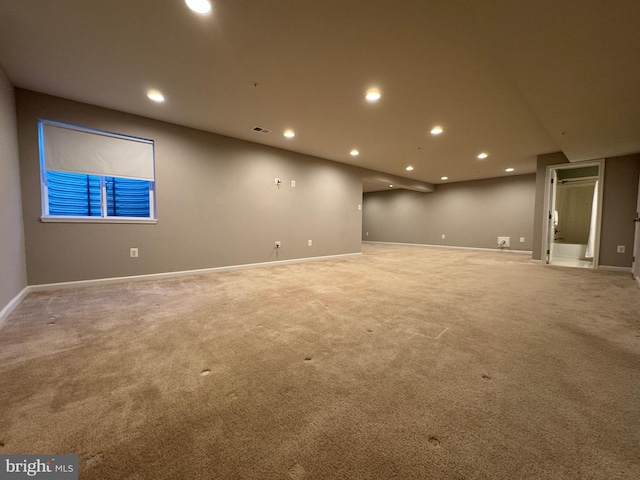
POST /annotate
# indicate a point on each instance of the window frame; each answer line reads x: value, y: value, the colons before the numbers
x: 104, y: 217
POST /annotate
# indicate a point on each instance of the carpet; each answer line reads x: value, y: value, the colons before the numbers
x: 405, y: 362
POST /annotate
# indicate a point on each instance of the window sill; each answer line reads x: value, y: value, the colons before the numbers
x: 151, y: 221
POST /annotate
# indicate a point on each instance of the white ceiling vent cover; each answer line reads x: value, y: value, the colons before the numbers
x: 261, y: 130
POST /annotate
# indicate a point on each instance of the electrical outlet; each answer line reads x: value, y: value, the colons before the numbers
x: 293, y: 184
x: 133, y: 252
x: 278, y: 244
x: 504, y: 242
x: 444, y: 236
x: 310, y: 243
x: 278, y: 181
x: 521, y: 239
x: 367, y: 234
x: 621, y: 249
x: 359, y: 207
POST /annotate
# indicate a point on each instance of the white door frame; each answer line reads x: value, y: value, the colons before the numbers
x: 549, y: 190
x: 552, y: 183
x: 635, y: 267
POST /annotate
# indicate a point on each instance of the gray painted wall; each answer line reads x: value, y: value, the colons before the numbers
x: 469, y: 214
x: 217, y: 203
x: 13, y: 276
x: 618, y: 209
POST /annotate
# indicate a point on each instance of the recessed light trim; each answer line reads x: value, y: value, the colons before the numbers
x: 390, y: 186
x: 444, y: 178
x: 156, y: 96
x: 409, y: 168
x: 373, y: 95
x: 509, y: 169
x: 483, y: 155
x: 289, y: 133
x: 201, y: 7
x: 437, y: 130
x: 354, y: 153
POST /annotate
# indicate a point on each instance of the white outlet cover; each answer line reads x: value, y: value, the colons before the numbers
x: 133, y: 252
x: 310, y: 243
x: 521, y: 239
x: 444, y: 236
x: 293, y: 184
x: 621, y: 249
x: 504, y: 242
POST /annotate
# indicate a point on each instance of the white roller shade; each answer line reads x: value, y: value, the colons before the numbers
x: 68, y: 149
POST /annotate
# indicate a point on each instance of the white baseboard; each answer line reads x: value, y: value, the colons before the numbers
x: 451, y: 247
x: 614, y: 269
x: 638, y: 280
x: 11, y: 306
x: 156, y: 276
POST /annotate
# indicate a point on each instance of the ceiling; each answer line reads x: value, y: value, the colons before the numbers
x: 510, y: 78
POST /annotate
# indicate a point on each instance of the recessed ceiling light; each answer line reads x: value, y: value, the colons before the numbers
x: 436, y: 130
x: 509, y: 169
x: 289, y: 133
x: 354, y: 153
x: 373, y: 95
x: 483, y: 155
x: 390, y: 186
x: 444, y: 178
x: 199, y: 6
x: 409, y: 168
x: 155, y: 95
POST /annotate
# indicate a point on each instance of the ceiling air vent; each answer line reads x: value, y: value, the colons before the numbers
x: 261, y: 130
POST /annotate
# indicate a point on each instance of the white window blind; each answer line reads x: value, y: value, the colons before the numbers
x: 69, y: 149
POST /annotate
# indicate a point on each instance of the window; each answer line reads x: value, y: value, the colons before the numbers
x: 90, y: 175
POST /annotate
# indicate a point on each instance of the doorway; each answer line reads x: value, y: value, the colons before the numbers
x: 573, y: 207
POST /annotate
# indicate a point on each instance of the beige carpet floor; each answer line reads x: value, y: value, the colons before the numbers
x: 405, y: 362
